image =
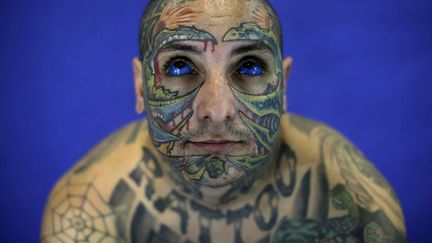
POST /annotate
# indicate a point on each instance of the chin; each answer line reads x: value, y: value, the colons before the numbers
x: 218, y: 182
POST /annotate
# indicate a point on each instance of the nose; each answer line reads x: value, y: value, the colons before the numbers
x: 215, y: 101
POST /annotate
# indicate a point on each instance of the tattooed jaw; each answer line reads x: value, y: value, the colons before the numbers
x: 184, y: 70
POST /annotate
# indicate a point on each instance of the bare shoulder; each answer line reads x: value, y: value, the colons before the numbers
x: 116, y: 150
x: 353, y: 181
x: 79, y: 207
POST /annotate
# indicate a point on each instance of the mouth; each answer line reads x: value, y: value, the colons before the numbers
x: 215, y: 145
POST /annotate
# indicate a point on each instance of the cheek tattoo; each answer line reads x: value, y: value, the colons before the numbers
x: 266, y: 107
x: 170, y: 112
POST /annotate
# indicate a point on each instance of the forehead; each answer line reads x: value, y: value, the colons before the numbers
x: 214, y: 16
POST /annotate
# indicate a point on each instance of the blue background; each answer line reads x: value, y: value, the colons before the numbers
x: 364, y: 67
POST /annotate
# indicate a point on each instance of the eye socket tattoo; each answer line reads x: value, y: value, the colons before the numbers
x: 251, y: 75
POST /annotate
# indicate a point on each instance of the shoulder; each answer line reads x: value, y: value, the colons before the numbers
x: 80, y: 206
x: 352, y: 179
x: 116, y: 149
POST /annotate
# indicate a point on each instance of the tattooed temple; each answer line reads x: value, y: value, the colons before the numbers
x: 216, y: 156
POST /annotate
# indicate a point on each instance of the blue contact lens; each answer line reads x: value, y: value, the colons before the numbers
x: 179, y: 68
x: 250, y: 68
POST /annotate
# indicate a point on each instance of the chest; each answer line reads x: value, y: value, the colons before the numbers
x: 165, y: 215
x: 147, y: 210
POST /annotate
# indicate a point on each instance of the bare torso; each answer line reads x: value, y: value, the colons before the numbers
x: 319, y: 188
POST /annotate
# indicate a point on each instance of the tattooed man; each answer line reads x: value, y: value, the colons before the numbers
x: 218, y: 159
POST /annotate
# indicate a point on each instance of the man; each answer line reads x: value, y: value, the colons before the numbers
x: 218, y: 159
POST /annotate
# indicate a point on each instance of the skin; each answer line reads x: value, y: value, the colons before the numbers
x: 216, y: 127
x: 217, y: 158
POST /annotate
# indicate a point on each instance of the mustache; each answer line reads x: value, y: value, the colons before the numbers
x: 225, y: 130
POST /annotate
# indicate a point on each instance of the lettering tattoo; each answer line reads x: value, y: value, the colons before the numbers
x: 135, y: 211
x: 357, y: 224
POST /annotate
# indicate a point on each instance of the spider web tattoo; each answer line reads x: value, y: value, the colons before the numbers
x: 79, y: 213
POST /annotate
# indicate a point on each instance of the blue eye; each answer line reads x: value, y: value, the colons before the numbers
x: 250, y: 68
x: 178, y: 68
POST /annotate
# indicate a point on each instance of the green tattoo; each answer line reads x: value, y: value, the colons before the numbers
x: 168, y: 22
x: 349, y: 228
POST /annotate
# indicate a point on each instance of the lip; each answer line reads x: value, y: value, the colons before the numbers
x: 214, y: 145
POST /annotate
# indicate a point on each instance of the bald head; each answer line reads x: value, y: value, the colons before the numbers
x: 211, y: 70
x: 161, y: 15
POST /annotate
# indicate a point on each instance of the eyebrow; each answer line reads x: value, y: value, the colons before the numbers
x: 180, y: 47
x: 255, y: 46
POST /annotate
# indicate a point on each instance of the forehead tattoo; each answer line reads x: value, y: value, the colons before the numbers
x: 168, y: 23
x: 170, y: 14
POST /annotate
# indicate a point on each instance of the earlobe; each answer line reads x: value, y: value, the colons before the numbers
x: 139, y: 88
x: 286, y: 65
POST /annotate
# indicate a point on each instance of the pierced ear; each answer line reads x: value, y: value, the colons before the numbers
x: 139, y: 88
x: 286, y: 65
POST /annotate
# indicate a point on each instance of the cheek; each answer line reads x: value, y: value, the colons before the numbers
x: 168, y: 117
x: 261, y: 114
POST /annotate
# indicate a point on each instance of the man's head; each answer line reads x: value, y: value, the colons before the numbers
x: 211, y: 78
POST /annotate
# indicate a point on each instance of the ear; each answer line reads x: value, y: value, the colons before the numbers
x: 286, y: 66
x: 139, y: 88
